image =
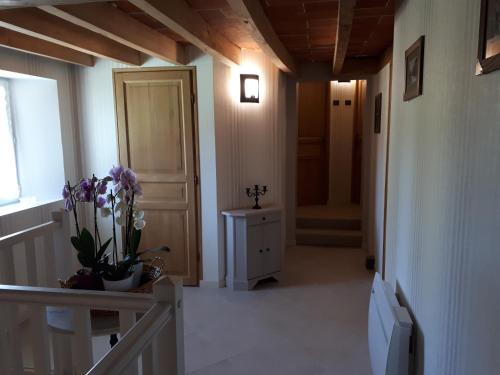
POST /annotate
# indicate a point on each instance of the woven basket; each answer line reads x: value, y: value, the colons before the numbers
x: 150, y: 273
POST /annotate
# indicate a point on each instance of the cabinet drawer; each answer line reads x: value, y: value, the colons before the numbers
x: 264, y: 218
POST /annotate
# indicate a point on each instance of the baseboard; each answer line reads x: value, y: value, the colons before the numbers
x: 212, y: 284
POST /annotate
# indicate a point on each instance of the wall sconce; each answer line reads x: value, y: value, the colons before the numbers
x: 249, y: 88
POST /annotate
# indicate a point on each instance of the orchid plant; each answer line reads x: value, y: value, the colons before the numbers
x: 119, y: 202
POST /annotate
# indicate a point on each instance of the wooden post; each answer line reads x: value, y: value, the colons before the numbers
x: 170, y: 340
x: 127, y: 321
x: 11, y: 359
x: 64, y: 254
x: 82, y: 341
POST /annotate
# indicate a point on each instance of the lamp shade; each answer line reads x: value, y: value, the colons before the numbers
x: 249, y: 88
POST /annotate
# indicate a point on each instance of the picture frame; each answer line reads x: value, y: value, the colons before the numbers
x: 414, y: 69
x: 488, y: 53
x: 377, y: 120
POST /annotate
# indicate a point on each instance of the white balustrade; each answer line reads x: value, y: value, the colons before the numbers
x: 152, y: 344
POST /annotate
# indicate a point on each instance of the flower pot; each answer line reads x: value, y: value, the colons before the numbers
x: 119, y: 285
x: 84, y: 279
x: 137, y: 270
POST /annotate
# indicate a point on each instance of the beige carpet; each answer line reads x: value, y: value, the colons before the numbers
x: 312, y: 322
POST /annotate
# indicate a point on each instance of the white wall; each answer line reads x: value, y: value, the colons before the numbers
x: 35, y: 113
x: 444, y: 201
x: 341, y: 141
x: 250, y: 137
x: 374, y: 166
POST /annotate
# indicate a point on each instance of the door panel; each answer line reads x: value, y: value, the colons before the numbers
x: 312, y: 149
x: 156, y: 133
x: 272, y: 251
x: 254, y: 248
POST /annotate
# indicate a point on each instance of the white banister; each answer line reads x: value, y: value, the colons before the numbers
x: 30, y: 233
x: 40, y: 339
x: 31, y: 271
x: 134, y: 342
x: 90, y: 299
x: 50, y: 261
x: 170, y: 339
x: 155, y: 336
x: 7, y: 273
x: 127, y: 321
x: 82, y: 340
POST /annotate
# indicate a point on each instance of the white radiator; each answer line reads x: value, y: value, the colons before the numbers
x: 389, y: 331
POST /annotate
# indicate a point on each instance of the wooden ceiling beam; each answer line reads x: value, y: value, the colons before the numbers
x: 262, y: 32
x: 21, y: 42
x: 179, y: 17
x: 9, y: 4
x: 344, y: 27
x: 39, y: 24
x: 107, y: 20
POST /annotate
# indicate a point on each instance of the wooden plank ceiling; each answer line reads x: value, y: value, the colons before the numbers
x: 294, y: 31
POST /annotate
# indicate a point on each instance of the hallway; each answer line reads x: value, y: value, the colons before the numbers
x: 312, y: 322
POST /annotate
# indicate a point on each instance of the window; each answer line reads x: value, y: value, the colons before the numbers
x: 9, y: 186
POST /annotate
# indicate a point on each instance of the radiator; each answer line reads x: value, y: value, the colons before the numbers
x: 389, y: 331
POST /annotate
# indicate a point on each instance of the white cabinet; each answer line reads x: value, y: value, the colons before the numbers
x: 254, y: 246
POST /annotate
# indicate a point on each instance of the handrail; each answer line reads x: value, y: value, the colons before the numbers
x: 93, y: 299
x: 39, y: 230
x: 134, y: 342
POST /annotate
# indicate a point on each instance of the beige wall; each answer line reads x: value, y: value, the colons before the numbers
x: 374, y: 166
x: 341, y: 138
x: 444, y: 206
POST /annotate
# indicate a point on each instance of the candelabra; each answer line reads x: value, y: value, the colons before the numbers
x: 256, y: 193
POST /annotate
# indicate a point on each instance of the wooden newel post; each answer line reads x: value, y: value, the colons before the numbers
x: 170, y: 340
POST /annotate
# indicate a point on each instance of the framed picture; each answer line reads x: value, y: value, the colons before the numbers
x: 489, y: 37
x: 414, y: 73
x: 378, y: 113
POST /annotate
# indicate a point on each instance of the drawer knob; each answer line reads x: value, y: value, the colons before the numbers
x: 260, y: 251
x: 263, y: 218
x: 267, y: 249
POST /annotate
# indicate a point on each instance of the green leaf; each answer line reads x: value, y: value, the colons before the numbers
x: 87, y: 242
x: 85, y: 260
x: 135, y: 240
x: 76, y: 243
x: 103, y: 248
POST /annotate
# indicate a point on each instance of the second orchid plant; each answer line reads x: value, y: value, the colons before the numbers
x: 118, y: 201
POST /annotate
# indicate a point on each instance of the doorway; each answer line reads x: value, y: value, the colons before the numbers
x: 329, y: 163
x: 157, y: 137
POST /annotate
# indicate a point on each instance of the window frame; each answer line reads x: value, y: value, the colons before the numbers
x: 5, y: 83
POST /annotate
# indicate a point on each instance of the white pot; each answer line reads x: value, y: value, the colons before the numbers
x: 119, y: 285
x: 137, y: 269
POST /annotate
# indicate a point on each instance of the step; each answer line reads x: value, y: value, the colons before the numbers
x: 328, y: 237
x: 329, y: 223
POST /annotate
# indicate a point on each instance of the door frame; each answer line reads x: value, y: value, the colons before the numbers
x: 196, y: 156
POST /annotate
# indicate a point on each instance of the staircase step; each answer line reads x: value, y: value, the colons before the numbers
x: 329, y: 223
x: 329, y: 237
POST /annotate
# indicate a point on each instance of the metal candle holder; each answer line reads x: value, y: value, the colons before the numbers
x: 256, y: 193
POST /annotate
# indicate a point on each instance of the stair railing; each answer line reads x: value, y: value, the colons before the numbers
x: 156, y: 338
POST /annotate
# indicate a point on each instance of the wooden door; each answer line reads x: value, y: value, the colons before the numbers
x: 312, y: 150
x: 157, y: 138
